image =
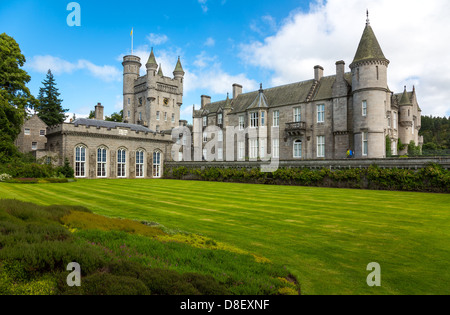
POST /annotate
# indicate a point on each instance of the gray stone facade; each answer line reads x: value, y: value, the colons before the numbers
x: 32, y: 136
x: 319, y: 118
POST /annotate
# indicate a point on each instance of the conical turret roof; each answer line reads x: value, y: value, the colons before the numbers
x: 160, y: 72
x: 405, y: 99
x: 178, y: 67
x: 152, y: 59
x: 369, y: 48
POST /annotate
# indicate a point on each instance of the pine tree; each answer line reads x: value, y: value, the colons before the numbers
x: 50, y: 109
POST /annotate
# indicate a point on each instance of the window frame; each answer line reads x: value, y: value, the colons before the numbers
x: 321, y: 113
x: 122, y: 163
x: 102, y: 164
x: 364, y: 108
x: 254, y: 119
x: 140, y: 163
x: 80, y: 161
x: 296, y: 150
x: 297, y: 114
x: 320, y: 146
x: 276, y: 118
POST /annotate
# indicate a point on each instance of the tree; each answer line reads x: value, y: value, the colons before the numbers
x: 91, y: 114
x: 116, y: 117
x: 49, y: 108
x: 15, y: 97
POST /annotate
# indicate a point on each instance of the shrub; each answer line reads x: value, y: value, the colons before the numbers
x: 5, y: 177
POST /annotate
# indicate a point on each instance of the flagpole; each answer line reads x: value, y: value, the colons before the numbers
x: 132, y: 37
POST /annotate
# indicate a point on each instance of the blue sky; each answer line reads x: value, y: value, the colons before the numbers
x: 222, y: 42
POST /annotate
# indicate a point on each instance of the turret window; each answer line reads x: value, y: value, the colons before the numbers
x: 365, y: 143
x: 254, y: 120
x: 364, y: 108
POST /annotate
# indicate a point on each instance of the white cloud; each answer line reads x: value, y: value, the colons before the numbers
x: 60, y: 66
x: 157, y: 39
x: 412, y: 35
x: 210, y: 42
x: 203, y: 5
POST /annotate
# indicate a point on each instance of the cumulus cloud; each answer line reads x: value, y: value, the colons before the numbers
x: 409, y: 31
x: 60, y: 66
x: 210, y: 42
x: 157, y: 39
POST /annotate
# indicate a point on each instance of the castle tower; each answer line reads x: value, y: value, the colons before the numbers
x: 406, y: 121
x: 131, y: 66
x: 371, y: 97
x: 178, y: 74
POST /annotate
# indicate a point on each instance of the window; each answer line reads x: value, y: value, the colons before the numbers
x: 101, y: 162
x: 241, y: 150
x: 297, y: 149
x: 254, y: 120
x: 140, y: 101
x: 205, y: 137
x: 80, y: 161
x: 165, y: 116
x: 173, y: 118
x: 365, y: 142
x: 262, y: 148
x: 158, y: 115
x: 321, y: 146
x: 121, y: 163
x: 205, y: 154
x: 42, y: 132
x: 34, y: 146
x: 129, y: 114
x: 413, y: 127
x: 220, y: 136
x: 219, y: 119
x: 297, y: 114
x: 253, y: 148
x: 180, y: 156
x: 241, y: 122
x: 364, y: 108
x: 395, y: 120
x: 139, y: 163
x: 378, y: 73
x: 320, y: 113
x: 205, y: 121
x: 157, y: 128
x: 27, y: 132
x: 276, y: 148
x: 157, y: 164
x: 276, y: 118
x: 220, y: 154
x: 140, y: 116
x: 129, y: 101
x: 389, y: 121
x: 263, y: 119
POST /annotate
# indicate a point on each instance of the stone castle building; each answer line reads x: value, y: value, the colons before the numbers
x: 319, y: 118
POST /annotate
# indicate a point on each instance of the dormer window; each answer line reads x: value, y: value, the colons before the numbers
x: 220, y: 119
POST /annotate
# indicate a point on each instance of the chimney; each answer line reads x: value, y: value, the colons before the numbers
x: 237, y: 90
x: 318, y: 73
x: 99, y: 112
x: 340, y: 70
x: 205, y: 100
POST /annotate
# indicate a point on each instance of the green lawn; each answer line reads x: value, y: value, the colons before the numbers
x: 326, y: 237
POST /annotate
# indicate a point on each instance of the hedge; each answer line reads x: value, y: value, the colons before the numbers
x: 432, y: 178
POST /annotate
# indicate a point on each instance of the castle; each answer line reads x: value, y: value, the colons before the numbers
x: 321, y: 118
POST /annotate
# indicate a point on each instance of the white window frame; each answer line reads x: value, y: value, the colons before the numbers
x: 241, y: 122
x: 80, y: 161
x: 140, y: 163
x: 276, y: 118
x: 220, y: 119
x: 364, y: 108
x: 220, y: 154
x: 205, y: 136
x: 205, y: 121
x: 320, y: 146
x: 276, y: 148
x: 365, y: 143
x: 262, y: 148
x: 42, y: 132
x: 297, y: 114
x: 205, y: 154
x: 157, y: 157
x: 27, y: 131
x: 220, y: 136
x: 158, y: 115
x: 254, y: 120
x: 321, y: 113
x: 254, y: 146
x: 121, y: 163
x: 263, y: 119
x: 241, y: 150
x: 34, y: 146
x: 102, y: 159
x: 395, y: 121
x: 298, y: 149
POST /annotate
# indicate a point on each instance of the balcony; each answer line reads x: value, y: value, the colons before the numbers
x: 295, y: 128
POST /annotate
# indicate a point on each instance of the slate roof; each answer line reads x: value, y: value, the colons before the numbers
x: 109, y: 124
x: 294, y: 93
x: 369, y: 48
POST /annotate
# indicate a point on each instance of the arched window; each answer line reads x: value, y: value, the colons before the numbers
x: 140, y: 163
x: 157, y: 164
x: 121, y: 163
x: 297, y: 149
x: 80, y: 161
x: 101, y: 162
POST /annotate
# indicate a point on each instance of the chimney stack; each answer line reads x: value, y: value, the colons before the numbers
x: 237, y: 90
x: 318, y: 73
x: 99, y: 111
x: 205, y: 100
x: 340, y: 70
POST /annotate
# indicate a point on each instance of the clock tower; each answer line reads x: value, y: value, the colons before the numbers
x: 154, y: 100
